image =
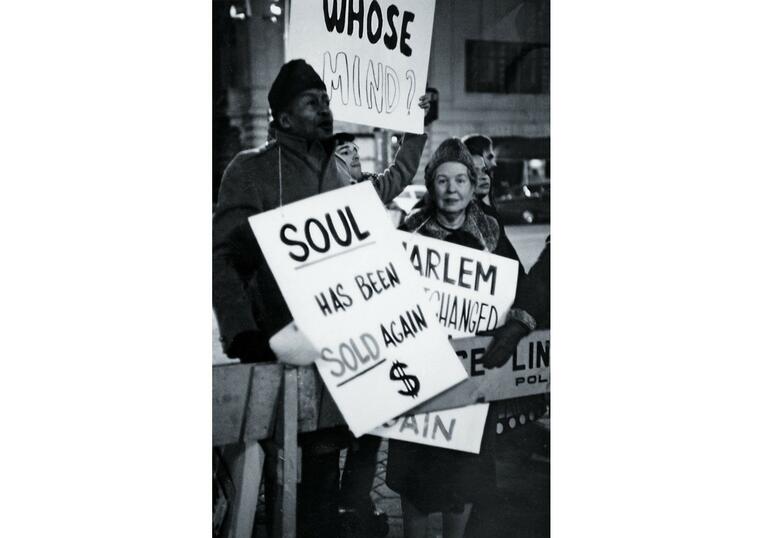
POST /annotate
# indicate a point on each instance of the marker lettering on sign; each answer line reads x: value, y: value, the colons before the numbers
x: 406, y: 326
x: 465, y: 272
x: 374, y: 283
x: 462, y: 313
x: 320, y: 235
x: 381, y: 83
x: 335, y: 301
x: 352, y: 356
x: 411, y: 422
x: 447, y: 434
x: 336, y: 19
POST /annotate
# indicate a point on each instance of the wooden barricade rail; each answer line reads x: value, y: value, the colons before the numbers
x: 260, y: 402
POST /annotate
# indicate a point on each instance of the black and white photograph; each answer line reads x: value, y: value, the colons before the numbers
x: 295, y: 269
x: 381, y: 184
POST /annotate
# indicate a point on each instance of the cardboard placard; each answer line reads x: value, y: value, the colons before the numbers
x: 525, y: 374
x: 457, y: 429
x: 354, y: 294
x: 470, y: 290
x: 372, y: 54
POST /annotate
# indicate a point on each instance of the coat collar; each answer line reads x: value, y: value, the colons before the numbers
x: 316, y: 154
x: 481, y: 226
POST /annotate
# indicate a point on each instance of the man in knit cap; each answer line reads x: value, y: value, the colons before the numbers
x: 296, y: 163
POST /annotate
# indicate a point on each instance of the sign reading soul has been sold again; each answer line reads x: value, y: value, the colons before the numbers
x: 373, y: 56
x: 353, y: 292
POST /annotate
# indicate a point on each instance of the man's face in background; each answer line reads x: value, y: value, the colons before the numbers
x: 351, y: 155
x: 490, y: 159
x: 483, y: 186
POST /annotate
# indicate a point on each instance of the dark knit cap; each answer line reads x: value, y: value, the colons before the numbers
x: 451, y: 150
x: 294, y: 77
x: 343, y: 138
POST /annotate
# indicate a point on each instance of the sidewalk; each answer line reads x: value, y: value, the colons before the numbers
x: 522, y: 507
x: 389, y: 501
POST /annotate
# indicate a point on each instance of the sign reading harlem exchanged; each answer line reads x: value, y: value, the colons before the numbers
x: 353, y: 292
x: 469, y: 290
x: 373, y: 56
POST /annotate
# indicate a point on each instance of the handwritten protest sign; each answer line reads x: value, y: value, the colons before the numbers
x: 354, y: 294
x: 525, y: 374
x: 457, y: 429
x: 372, y: 54
x: 470, y: 290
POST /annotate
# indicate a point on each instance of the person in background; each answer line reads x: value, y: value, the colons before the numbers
x: 406, y: 159
x: 478, y: 144
x: 297, y: 162
x: 483, y: 190
x: 481, y: 148
x: 431, y: 479
x: 533, y: 296
x: 484, y: 521
x: 347, y: 149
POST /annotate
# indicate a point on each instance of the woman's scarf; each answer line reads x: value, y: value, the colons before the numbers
x: 485, y: 229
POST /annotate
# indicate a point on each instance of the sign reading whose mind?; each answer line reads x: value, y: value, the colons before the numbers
x: 373, y: 56
x: 353, y: 292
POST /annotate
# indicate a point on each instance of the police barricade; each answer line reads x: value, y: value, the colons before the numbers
x: 273, y: 403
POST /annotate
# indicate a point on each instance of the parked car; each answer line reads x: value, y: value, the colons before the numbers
x: 524, y: 204
x: 409, y: 197
x: 405, y: 202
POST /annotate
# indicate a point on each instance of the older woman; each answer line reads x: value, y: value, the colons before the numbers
x: 431, y: 479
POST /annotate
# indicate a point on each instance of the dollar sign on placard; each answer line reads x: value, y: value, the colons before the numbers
x: 397, y: 373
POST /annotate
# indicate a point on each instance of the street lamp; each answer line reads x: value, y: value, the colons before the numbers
x: 274, y: 11
x: 240, y: 9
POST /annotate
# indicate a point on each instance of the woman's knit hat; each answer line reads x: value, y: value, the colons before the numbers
x: 451, y: 150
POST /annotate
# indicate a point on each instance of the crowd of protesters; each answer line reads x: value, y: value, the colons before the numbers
x: 304, y: 158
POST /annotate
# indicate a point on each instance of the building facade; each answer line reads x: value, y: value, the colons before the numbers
x: 489, y: 62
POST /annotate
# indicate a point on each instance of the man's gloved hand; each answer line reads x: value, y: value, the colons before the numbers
x: 504, y: 343
x: 291, y: 346
x: 425, y: 103
x: 250, y: 346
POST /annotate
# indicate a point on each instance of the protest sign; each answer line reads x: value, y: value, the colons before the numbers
x: 470, y: 290
x: 525, y: 374
x: 457, y: 429
x: 354, y: 294
x: 372, y: 54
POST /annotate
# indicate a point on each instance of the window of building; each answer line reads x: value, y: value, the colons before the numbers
x: 506, y: 67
